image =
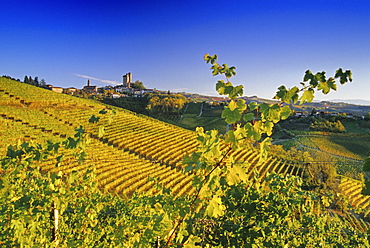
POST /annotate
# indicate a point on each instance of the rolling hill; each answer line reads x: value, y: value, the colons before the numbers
x: 133, y: 147
x: 125, y: 149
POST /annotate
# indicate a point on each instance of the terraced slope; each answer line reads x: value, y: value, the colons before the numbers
x: 352, y: 189
x: 132, y: 148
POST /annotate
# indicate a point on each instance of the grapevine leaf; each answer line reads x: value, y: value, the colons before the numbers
x: 285, y: 112
x: 235, y: 175
x: 264, y: 148
x: 326, y: 86
x: 366, y: 189
x: 230, y: 137
x: 248, y: 117
x: 331, y: 83
x: 253, y: 105
x: 216, y: 69
x: 224, y: 88
x: 236, y: 91
x: 192, y: 242
x: 103, y: 112
x: 252, y: 131
x: 94, y: 119
x: 269, y: 127
x: 320, y: 76
x: 270, y: 112
x: 233, y: 112
x: 344, y: 76
x: 220, y: 84
x: 215, y: 207
x: 210, y: 59
x: 307, y: 96
x: 310, y: 78
x: 287, y: 96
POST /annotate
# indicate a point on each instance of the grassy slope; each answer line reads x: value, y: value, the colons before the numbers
x: 209, y: 118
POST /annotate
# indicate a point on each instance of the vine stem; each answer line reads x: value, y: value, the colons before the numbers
x: 196, y: 197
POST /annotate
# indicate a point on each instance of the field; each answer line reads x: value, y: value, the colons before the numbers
x: 202, y: 115
x: 132, y: 148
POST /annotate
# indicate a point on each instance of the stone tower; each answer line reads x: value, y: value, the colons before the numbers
x: 127, y: 80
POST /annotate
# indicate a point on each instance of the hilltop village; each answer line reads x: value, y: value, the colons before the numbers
x: 123, y: 95
x: 127, y: 88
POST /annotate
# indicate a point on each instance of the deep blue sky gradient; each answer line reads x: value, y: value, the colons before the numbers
x: 163, y: 42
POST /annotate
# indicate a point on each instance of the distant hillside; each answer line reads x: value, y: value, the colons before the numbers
x: 353, y: 101
x: 355, y: 107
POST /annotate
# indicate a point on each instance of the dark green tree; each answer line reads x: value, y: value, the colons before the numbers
x: 138, y: 85
x: 36, y: 81
x: 30, y: 81
x: 26, y: 80
x: 42, y: 82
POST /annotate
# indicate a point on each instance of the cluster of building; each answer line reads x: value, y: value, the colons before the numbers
x: 119, y: 90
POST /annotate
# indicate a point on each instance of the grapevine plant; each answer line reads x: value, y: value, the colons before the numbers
x: 228, y: 209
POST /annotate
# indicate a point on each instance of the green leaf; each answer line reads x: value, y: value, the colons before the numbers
x: 215, y: 207
x: 253, y: 105
x: 236, y: 92
x: 220, y: 84
x: 270, y: 112
x: 94, y: 119
x: 310, y: 78
x: 224, y: 88
x: 215, y: 69
x: 248, y: 117
x: 287, y: 96
x: 285, y: 112
x: 326, y: 86
x: 264, y: 148
x: 236, y: 174
x: 210, y: 59
x: 366, y: 189
x: 253, y: 131
x: 269, y: 127
x: 192, y: 241
x: 233, y: 111
x: 320, y: 76
x: 307, y: 96
x: 103, y: 111
x: 344, y: 76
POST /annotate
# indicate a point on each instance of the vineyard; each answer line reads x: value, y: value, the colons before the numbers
x: 345, y: 151
x: 133, y: 147
x: 131, y: 153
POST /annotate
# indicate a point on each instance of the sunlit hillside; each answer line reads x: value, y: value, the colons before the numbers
x: 125, y: 148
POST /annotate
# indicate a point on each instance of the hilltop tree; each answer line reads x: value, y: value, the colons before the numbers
x: 138, y: 85
x: 42, y: 82
x: 30, y: 81
x: 165, y: 103
x: 36, y: 81
x: 26, y: 81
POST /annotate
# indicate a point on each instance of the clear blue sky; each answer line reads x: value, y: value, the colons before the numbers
x: 163, y: 42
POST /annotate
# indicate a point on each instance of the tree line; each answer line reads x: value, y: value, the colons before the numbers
x: 34, y: 81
